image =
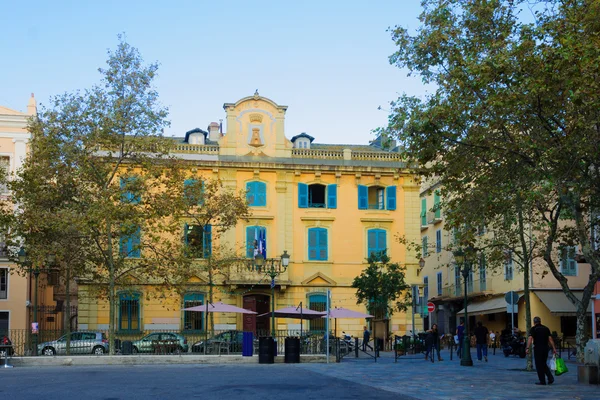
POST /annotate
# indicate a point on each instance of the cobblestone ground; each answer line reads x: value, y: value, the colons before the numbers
x: 500, y: 378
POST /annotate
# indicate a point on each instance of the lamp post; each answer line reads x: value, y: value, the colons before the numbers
x: 465, y: 260
x: 273, y: 267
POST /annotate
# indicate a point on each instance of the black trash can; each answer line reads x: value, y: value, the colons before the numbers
x: 292, y: 350
x: 266, y: 350
x: 126, y: 347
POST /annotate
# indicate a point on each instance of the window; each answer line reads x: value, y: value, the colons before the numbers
x: 423, y: 212
x: 457, y: 285
x: 376, y: 242
x: 4, y: 321
x: 3, y: 283
x: 129, y: 245
x: 193, y: 320
x: 376, y: 197
x: 256, y: 236
x: 438, y: 241
x: 130, y: 190
x: 482, y: 273
x: 129, y: 311
x: 256, y: 194
x: 508, y: 266
x: 425, y: 289
x: 198, y: 241
x: 436, y: 205
x: 193, y: 191
x: 317, y: 244
x: 317, y: 196
x: 470, y: 281
x: 439, y: 283
x: 425, y: 251
x: 568, y: 264
x: 317, y: 302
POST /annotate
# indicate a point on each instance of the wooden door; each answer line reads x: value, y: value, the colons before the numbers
x: 250, y: 319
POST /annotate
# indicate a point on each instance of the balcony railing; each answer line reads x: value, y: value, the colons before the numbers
x: 196, y: 148
x: 473, y: 287
x: 244, y: 272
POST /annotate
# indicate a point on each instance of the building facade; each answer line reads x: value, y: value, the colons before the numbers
x: 328, y: 206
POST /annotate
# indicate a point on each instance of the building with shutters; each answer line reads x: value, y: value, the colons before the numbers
x: 328, y: 205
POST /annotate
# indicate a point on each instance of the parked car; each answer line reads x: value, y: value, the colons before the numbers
x: 232, y: 339
x: 167, y: 342
x: 81, y: 343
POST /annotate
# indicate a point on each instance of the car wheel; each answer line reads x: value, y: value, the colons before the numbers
x: 98, y: 350
x: 135, y: 350
x: 48, y: 351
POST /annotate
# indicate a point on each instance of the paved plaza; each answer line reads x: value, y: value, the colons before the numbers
x: 410, y: 378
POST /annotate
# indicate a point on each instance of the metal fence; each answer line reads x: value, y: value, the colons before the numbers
x: 53, y: 342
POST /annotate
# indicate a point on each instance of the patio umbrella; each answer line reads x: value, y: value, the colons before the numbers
x: 341, y: 312
x: 297, y: 312
x: 216, y: 307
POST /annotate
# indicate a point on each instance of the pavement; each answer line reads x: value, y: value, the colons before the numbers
x: 411, y: 377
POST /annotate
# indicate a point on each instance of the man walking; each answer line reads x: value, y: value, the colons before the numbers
x: 481, y: 340
x: 366, y: 338
x: 460, y: 332
x: 540, y: 336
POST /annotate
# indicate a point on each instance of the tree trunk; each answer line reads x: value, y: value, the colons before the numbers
x: 527, y: 254
x: 111, y: 289
x: 210, y: 297
x: 581, y: 335
x: 526, y: 294
x: 68, y: 308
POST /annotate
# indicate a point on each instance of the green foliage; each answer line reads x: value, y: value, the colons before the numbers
x: 381, y: 287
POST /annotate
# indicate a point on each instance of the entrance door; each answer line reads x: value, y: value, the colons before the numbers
x: 260, y: 304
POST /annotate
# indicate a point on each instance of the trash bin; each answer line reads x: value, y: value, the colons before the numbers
x: 292, y: 350
x: 266, y: 350
x: 247, y: 344
x: 126, y: 347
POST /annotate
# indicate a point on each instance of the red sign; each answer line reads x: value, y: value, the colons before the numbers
x: 430, y: 307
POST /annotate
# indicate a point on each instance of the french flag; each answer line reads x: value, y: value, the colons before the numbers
x: 262, y: 243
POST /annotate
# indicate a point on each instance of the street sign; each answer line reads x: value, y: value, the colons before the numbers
x: 430, y: 307
x: 512, y: 297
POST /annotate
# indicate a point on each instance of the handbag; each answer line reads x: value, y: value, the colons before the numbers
x: 561, y: 367
x: 456, y: 339
x: 552, y: 363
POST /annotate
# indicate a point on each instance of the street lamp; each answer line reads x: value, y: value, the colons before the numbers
x: 465, y: 259
x: 273, y: 267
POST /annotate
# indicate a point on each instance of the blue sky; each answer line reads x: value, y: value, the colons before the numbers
x: 326, y: 60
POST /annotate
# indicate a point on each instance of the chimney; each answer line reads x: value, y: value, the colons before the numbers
x: 214, y: 131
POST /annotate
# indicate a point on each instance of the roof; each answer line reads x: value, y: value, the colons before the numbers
x: 558, y: 303
x: 9, y: 111
x: 490, y: 306
x: 302, y: 135
x: 195, y: 130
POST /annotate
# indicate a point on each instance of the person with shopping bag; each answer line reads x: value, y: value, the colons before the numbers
x: 541, y: 338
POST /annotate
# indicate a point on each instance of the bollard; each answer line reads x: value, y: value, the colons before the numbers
x: 356, y: 347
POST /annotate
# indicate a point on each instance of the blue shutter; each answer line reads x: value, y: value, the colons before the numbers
x: 128, y: 196
x: 436, y: 205
x: 207, y: 241
x: 312, y: 244
x: 135, y: 241
x: 332, y: 196
x: 302, y: 195
x: 250, y: 193
x: 322, y: 244
x: 250, y: 237
x: 371, y: 242
x: 391, y: 197
x: 260, y: 193
x: 191, y: 195
x: 381, y: 245
x: 363, y: 197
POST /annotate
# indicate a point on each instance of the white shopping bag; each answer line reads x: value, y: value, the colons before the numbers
x: 552, y: 363
x: 456, y: 339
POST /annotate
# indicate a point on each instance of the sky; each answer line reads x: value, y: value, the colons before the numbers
x: 326, y: 60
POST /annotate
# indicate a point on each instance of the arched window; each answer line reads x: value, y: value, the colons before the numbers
x: 193, y: 320
x: 317, y: 302
x: 256, y: 194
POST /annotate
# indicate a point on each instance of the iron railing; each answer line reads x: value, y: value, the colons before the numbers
x: 473, y: 287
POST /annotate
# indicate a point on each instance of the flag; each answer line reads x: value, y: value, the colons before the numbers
x: 256, y: 241
x: 262, y: 246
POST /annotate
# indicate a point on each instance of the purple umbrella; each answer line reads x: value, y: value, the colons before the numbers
x: 346, y: 313
x: 219, y: 307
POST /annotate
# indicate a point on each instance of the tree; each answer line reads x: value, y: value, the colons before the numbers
x: 516, y: 101
x: 108, y: 185
x: 381, y: 287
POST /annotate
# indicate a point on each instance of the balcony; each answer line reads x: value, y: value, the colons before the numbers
x: 432, y: 218
x: 474, y: 288
x: 244, y: 272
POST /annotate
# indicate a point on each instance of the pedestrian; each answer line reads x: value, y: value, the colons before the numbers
x: 366, y: 338
x: 460, y: 332
x: 481, y: 340
x: 541, y: 338
x: 433, y: 342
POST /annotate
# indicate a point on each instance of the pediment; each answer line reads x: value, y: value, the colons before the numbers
x: 319, y: 279
x: 197, y: 279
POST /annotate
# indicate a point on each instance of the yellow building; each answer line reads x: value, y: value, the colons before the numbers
x: 443, y: 283
x: 327, y: 205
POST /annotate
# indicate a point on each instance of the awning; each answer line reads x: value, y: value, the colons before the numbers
x: 558, y: 303
x: 491, y: 306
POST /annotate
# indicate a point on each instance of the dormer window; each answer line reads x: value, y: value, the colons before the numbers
x: 196, y: 136
x: 302, y: 141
